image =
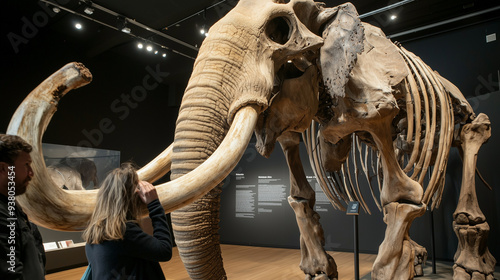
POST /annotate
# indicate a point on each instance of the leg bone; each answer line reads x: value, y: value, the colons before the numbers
x: 473, y: 260
x: 396, y: 255
x: 315, y: 263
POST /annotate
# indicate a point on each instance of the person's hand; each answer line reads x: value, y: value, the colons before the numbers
x: 147, y: 192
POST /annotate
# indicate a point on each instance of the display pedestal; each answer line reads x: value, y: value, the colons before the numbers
x: 353, y: 210
x: 66, y: 258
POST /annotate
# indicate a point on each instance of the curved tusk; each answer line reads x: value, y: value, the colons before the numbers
x: 55, y: 208
x: 44, y: 202
x: 158, y: 167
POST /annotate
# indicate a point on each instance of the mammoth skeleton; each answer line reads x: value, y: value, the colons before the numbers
x: 279, y: 68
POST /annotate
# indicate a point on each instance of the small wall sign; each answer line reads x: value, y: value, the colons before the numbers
x: 353, y: 208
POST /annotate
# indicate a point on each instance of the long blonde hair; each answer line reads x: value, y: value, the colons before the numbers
x: 117, y: 203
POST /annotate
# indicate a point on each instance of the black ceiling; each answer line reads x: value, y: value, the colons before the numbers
x: 182, y: 19
x: 175, y: 26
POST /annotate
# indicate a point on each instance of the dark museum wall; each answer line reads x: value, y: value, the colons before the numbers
x: 143, y: 121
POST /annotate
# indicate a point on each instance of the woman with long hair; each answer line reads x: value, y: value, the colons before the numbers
x: 117, y: 248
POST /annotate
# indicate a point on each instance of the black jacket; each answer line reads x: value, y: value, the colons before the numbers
x: 137, y: 256
x: 21, y: 252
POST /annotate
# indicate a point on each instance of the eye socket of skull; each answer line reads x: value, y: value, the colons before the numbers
x: 281, y: 1
x: 278, y: 30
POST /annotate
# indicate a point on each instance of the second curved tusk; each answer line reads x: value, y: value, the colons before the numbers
x: 158, y: 167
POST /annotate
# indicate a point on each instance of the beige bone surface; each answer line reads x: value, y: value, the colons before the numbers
x: 396, y: 253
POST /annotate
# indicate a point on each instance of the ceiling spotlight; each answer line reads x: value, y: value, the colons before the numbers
x: 393, y: 17
x: 164, y: 55
x: 56, y: 10
x: 203, y: 30
x: 88, y: 10
x: 122, y: 24
x: 88, y: 6
x: 156, y: 52
x: 78, y: 26
x: 149, y: 48
x: 140, y: 45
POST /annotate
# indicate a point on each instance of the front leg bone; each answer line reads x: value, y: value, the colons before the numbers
x: 473, y: 260
x: 396, y: 254
x: 315, y: 262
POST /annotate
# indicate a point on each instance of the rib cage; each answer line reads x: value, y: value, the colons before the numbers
x: 424, y: 142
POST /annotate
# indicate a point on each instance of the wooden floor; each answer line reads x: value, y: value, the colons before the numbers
x: 251, y: 263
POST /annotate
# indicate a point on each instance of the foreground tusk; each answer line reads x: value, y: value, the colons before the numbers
x: 52, y: 207
x: 158, y: 167
x: 44, y: 202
